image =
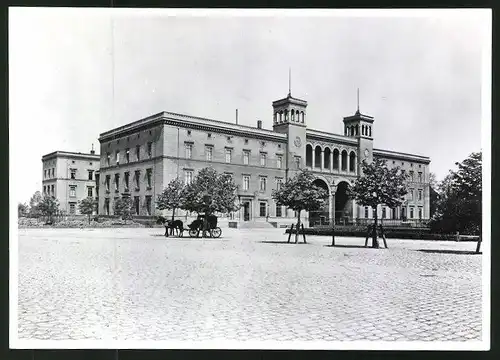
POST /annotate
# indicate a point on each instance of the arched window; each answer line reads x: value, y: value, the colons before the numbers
x: 326, y: 156
x: 352, y: 161
x: 344, y: 160
x: 281, y: 116
x: 303, y: 117
x: 357, y: 130
x: 286, y: 116
x: 336, y: 159
x: 309, y: 155
x: 317, y: 157
x: 362, y: 130
x: 293, y: 115
x: 370, y: 131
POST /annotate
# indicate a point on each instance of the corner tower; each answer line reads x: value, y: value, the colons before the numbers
x: 359, y: 126
x: 289, y: 117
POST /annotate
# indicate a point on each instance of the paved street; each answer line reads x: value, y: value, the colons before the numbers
x: 135, y: 284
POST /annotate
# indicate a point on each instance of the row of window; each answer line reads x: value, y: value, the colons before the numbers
x: 403, y: 212
x: 72, y: 191
x: 49, y: 173
x: 127, y: 154
x: 49, y: 190
x: 412, y: 176
x: 188, y: 178
x: 126, y: 180
x: 353, y: 130
x: 411, y: 193
x: 228, y: 152
x: 146, y: 209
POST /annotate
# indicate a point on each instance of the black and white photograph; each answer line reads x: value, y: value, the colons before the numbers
x: 249, y: 178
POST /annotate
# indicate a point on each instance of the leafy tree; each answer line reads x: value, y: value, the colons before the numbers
x: 22, y: 210
x: 34, y: 201
x: 379, y: 185
x: 123, y: 207
x: 460, y: 198
x: 210, y: 192
x: 433, y: 183
x: 299, y: 193
x: 87, y: 206
x: 48, y: 206
x: 172, y: 197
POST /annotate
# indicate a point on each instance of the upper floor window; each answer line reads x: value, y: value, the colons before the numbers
x: 126, y: 179
x: 411, y: 175
x: 91, y: 174
x: 108, y: 159
x: 228, y: 156
x: 188, y: 177
x: 150, y: 150
x: 263, y: 183
x: 419, y: 176
x: 107, y: 182
x: 263, y: 157
x: 45, y: 174
x: 189, y: 151
x: 117, y: 157
x: 420, y: 195
x: 117, y: 182
x: 410, y: 194
x: 90, y: 191
x: 72, y: 190
x: 53, y: 172
x: 279, y: 182
x: 246, y: 157
x: 73, y: 173
x: 138, y: 152
x: 148, y: 175
x: 246, y: 182
x: 279, y: 161
x: 127, y: 155
x: 209, y: 152
x: 137, y: 179
x: 297, y: 162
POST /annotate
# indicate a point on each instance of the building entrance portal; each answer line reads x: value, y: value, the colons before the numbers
x: 343, y: 206
x: 322, y: 216
x: 246, y: 211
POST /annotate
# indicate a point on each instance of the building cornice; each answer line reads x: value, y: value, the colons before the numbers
x: 68, y: 154
x: 192, y: 122
x: 359, y: 116
x: 290, y: 100
x: 325, y: 136
x: 401, y: 156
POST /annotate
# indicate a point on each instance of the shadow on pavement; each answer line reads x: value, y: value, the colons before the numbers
x: 355, y: 247
x: 456, y: 252
x: 283, y: 242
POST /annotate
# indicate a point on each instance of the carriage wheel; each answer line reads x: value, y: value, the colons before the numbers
x: 193, y: 232
x: 216, y: 232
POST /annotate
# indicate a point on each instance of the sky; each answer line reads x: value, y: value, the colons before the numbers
x: 75, y: 73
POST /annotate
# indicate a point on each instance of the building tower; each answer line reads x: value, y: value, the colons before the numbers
x: 360, y: 126
x: 289, y: 117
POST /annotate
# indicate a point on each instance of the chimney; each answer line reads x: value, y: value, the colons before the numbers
x: 236, y: 116
x: 92, y: 151
x: 259, y: 124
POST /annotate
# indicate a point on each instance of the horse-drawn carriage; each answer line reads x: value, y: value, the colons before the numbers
x: 203, y: 224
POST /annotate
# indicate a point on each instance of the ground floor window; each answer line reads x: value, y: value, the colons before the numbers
x: 366, y: 212
x: 420, y: 213
x: 72, y: 208
x: 278, y: 211
x: 383, y: 212
x: 106, y: 206
x: 411, y: 212
x: 136, y: 205
x: 262, y: 208
x: 148, y: 204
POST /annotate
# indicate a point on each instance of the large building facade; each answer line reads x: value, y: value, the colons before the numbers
x: 139, y: 159
x: 70, y: 177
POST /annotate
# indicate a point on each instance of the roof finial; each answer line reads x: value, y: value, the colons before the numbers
x: 92, y: 146
x: 290, y: 81
x: 357, y: 111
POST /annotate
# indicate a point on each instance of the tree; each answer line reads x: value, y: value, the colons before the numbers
x: 433, y: 183
x: 460, y: 198
x: 22, y: 210
x: 172, y: 196
x: 299, y: 193
x: 123, y: 207
x: 210, y: 192
x: 379, y: 185
x: 87, y: 206
x: 48, y: 206
x: 34, y: 201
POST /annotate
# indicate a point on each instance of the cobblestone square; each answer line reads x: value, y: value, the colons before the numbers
x: 135, y: 284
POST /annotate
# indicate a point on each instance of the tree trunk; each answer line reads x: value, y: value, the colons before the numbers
x: 375, y: 241
x: 173, y: 214
x: 298, y: 227
x: 173, y: 217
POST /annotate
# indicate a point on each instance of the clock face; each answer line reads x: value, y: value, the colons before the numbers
x: 367, y: 152
x: 297, y: 142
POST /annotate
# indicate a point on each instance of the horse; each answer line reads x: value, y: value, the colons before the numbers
x: 176, y: 225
